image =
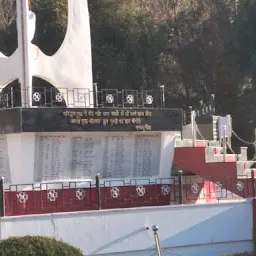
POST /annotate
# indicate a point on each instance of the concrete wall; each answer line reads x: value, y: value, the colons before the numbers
x: 190, y: 230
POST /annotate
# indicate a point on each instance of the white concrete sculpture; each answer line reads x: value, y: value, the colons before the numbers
x: 69, y: 69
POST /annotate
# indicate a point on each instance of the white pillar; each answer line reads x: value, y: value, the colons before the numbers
x: 26, y: 30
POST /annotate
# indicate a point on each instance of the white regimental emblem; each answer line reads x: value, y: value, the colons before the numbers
x: 109, y: 98
x: 22, y: 197
x: 240, y: 186
x: 115, y: 192
x: 52, y: 195
x: 36, y: 96
x: 59, y: 97
x: 130, y: 99
x: 195, y: 188
x: 165, y: 189
x: 80, y: 194
x: 141, y: 191
x: 149, y: 99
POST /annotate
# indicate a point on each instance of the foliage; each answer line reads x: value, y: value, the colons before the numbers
x: 240, y: 254
x: 194, y: 48
x: 36, y: 245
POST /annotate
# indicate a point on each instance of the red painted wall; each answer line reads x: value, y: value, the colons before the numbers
x: 193, y: 159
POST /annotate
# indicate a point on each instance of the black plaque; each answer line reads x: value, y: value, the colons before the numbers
x: 111, y: 120
x: 19, y: 120
x: 11, y: 120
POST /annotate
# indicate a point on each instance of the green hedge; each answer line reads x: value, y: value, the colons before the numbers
x: 36, y: 246
x: 241, y: 254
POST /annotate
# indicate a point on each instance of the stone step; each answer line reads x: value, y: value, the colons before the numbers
x: 213, y: 143
x: 218, y: 158
x: 244, y: 168
x: 189, y: 143
x: 215, y: 155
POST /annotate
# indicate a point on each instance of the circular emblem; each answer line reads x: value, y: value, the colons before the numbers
x: 149, y: 99
x: 109, y: 98
x: 165, y: 189
x: 52, y: 195
x: 22, y: 197
x: 80, y: 194
x: 140, y: 190
x: 130, y: 99
x: 240, y: 186
x: 115, y: 192
x: 36, y: 96
x: 195, y: 188
x: 59, y: 97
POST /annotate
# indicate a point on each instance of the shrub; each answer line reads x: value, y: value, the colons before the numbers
x: 240, y: 254
x: 36, y: 246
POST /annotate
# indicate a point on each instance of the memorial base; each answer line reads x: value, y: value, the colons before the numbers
x: 75, y: 156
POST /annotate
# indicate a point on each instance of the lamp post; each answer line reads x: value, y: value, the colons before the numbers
x: 158, y: 249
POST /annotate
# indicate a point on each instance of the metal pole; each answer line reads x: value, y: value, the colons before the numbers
x: 158, y: 249
x: 224, y: 143
x: 162, y: 96
x: 213, y: 103
x: 253, y: 183
x: 96, y: 101
x: 201, y: 110
x: 98, y: 199
x: 193, y: 127
x: 229, y: 129
x: 180, y: 186
x: 2, y: 201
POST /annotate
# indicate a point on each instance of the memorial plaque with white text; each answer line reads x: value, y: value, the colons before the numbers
x: 147, y: 150
x: 85, y: 154
x: 51, y: 158
x: 4, y: 160
x: 117, y: 156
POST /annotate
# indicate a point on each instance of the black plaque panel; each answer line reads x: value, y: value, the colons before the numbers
x: 112, y: 120
x: 10, y: 121
x: 17, y: 120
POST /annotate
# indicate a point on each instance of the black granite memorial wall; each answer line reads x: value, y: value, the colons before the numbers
x: 18, y: 120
